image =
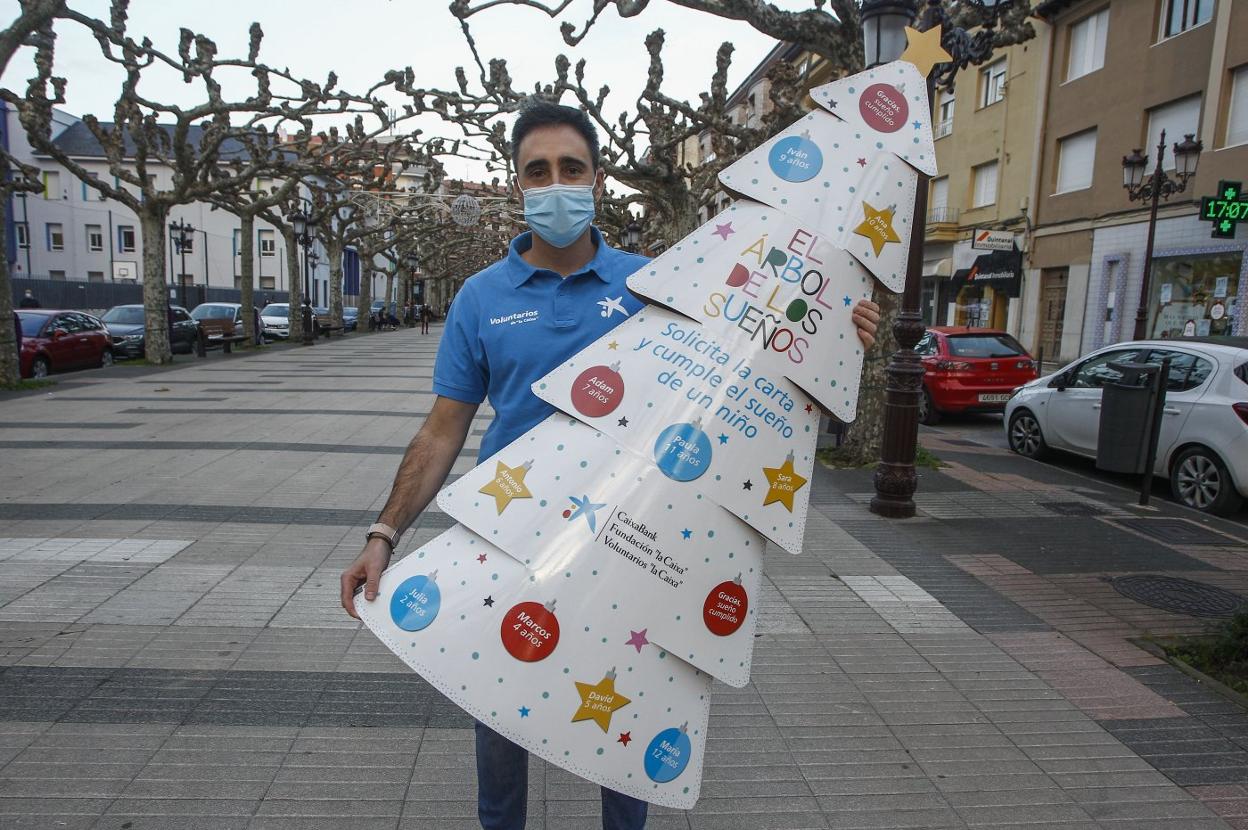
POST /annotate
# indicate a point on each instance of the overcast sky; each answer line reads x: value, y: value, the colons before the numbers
x: 361, y: 39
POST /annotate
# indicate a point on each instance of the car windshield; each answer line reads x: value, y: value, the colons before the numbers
x: 984, y: 345
x: 276, y: 311
x: 350, y: 312
x: 32, y: 323
x: 213, y: 312
x: 124, y: 315
x: 320, y: 310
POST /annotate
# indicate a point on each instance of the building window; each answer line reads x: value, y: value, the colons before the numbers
x: 236, y: 240
x: 56, y: 236
x: 1177, y: 118
x: 125, y: 239
x: 985, y: 177
x: 1181, y: 15
x: 52, y: 185
x: 1076, y: 156
x: 268, y: 283
x: 95, y: 276
x: 90, y: 194
x: 268, y: 243
x: 992, y: 83
x: 23, y: 235
x: 937, y: 199
x: 1087, y: 45
x: 1237, y: 118
x: 944, y: 115
x: 1194, y: 295
x: 56, y: 276
x: 95, y: 239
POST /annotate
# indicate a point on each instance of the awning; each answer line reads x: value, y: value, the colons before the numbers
x: 937, y: 268
x: 1000, y: 270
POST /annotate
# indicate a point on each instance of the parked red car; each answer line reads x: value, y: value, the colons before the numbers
x: 53, y: 341
x: 970, y: 370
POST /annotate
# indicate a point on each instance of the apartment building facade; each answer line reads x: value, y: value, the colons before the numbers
x: 1119, y: 72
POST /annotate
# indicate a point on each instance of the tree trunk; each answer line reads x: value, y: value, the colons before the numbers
x: 9, y: 365
x: 155, y: 291
x: 247, y: 274
x: 389, y: 290
x: 334, y: 252
x: 405, y: 294
x: 296, y: 285
x: 864, y: 436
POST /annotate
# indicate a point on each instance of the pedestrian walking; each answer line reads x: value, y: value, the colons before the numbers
x: 563, y: 255
x: 425, y: 314
x: 29, y: 301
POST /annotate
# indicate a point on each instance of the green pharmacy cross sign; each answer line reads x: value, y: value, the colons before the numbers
x: 1225, y: 210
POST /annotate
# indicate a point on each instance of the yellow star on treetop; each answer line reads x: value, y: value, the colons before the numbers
x: 923, y: 49
x: 599, y: 700
x: 508, y: 484
x: 877, y: 226
x: 782, y: 483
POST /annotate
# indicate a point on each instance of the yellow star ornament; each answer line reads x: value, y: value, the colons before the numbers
x: 508, y: 484
x: 782, y: 483
x: 923, y: 49
x: 599, y: 700
x: 877, y: 226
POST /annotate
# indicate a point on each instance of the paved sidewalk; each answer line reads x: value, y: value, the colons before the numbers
x: 172, y: 653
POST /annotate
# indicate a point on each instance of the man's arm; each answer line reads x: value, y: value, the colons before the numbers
x: 424, y: 468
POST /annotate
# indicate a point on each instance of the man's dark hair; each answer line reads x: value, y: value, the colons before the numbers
x: 544, y: 114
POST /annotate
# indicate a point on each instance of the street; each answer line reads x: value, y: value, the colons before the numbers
x: 174, y: 654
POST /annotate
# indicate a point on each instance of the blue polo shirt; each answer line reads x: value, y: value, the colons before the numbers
x: 512, y: 323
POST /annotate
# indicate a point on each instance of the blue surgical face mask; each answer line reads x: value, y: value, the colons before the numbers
x: 559, y: 213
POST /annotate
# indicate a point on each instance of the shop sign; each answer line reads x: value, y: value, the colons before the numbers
x: 1225, y: 210
x: 986, y: 240
x: 1000, y: 270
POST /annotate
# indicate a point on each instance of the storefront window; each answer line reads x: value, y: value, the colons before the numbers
x: 1194, y: 296
x: 979, y: 307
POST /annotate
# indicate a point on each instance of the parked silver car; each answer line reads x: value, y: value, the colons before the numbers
x: 275, y: 320
x: 1203, y: 446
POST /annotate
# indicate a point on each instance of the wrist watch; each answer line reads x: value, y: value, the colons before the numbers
x: 383, y: 531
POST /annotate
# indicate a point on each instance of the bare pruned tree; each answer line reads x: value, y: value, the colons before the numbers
x: 160, y: 154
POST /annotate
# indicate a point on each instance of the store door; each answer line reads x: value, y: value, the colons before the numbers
x: 1052, y: 311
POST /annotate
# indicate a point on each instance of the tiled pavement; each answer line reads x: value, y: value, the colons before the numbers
x: 172, y: 654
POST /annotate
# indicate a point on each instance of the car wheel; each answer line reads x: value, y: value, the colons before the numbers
x: 40, y: 368
x: 1200, y: 480
x: 1025, y: 436
x: 106, y: 358
x: 928, y: 413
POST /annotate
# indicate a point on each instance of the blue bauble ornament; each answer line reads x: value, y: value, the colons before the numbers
x: 416, y: 602
x: 683, y: 451
x: 668, y: 754
x: 796, y: 158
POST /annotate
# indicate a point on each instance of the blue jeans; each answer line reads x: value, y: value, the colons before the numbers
x: 503, y: 789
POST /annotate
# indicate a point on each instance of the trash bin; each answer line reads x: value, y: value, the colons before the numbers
x: 1127, y: 416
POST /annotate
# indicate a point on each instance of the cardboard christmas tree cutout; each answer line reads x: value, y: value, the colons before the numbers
x: 608, y: 563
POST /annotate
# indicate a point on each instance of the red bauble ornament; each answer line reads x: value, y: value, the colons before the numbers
x: 725, y: 608
x: 598, y: 390
x: 530, y: 631
x: 884, y: 108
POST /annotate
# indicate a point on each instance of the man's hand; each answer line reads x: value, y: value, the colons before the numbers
x: 366, y: 568
x: 867, y: 319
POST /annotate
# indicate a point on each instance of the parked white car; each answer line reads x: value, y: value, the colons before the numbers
x: 274, y: 317
x: 1203, y: 445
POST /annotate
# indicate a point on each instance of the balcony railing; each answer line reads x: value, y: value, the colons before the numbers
x: 943, y: 128
x: 943, y: 216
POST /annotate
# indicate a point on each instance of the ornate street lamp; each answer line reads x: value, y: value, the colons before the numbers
x: 883, y: 25
x: 1156, y: 187
x: 632, y: 237
x: 180, y: 233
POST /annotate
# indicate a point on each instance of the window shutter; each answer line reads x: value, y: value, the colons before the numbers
x: 1237, y: 121
x: 1076, y: 158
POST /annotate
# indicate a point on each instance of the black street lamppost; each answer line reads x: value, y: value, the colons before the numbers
x: 181, y: 235
x: 632, y: 237
x: 884, y: 39
x: 1156, y: 187
x: 303, y: 226
x: 413, y: 265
